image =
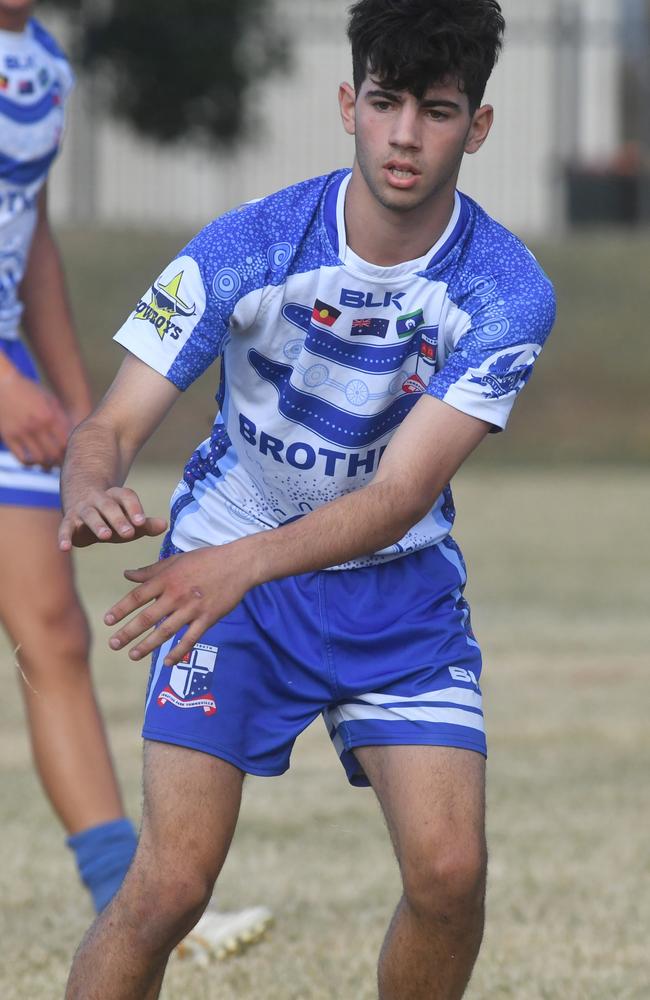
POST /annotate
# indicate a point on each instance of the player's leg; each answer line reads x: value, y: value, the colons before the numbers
x: 408, y: 717
x: 49, y: 634
x: 47, y: 628
x: 433, y: 799
x: 191, y: 804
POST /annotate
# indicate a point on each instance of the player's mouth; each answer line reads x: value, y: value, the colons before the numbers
x: 401, y: 175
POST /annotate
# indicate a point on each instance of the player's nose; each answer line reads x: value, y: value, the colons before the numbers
x: 405, y: 133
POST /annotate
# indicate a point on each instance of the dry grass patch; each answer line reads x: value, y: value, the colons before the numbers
x: 560, y: 573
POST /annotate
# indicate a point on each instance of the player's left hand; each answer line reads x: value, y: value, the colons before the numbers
x: 194, y: 588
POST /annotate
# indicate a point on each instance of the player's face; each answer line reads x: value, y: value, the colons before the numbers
x: 409, y: 150
x: 14, y: 14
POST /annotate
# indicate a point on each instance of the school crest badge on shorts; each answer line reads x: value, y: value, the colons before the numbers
x: 190, y: 680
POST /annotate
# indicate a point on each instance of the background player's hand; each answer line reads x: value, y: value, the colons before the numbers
x: 114, y: 515
x: 33, y: 424
x: 195, y: 589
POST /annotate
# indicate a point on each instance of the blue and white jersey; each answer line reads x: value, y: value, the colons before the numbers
x: 323, y: 354
x: 35, y: 80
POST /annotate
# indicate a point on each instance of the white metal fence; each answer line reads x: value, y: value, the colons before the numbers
x: 556, y: 91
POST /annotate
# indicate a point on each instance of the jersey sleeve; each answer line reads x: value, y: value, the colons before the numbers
x: 65, y: 74
x: 494, y: 333
x: 180, y: 324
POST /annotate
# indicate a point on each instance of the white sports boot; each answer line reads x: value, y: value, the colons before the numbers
x: 219, y: 935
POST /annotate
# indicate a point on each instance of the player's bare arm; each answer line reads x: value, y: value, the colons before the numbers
x: 199, y: 587
x: 47, y: 321
x: 97, y: 507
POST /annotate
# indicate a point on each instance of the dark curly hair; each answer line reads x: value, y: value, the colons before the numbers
x: 412, y: 44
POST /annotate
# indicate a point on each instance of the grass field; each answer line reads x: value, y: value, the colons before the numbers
x: 560, y: 577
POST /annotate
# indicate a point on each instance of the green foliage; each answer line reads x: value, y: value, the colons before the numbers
x: 178, y: 69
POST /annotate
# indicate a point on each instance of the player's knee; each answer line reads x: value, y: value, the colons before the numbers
x: 60, y: 633
x: 178, y: 900
x: 179, y: 877
x: 164, y: 903
x: 441, y: 881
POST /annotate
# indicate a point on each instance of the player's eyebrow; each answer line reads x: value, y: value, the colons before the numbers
x: 430, y: 102
x: 440, y: 102
x: 388, y: 95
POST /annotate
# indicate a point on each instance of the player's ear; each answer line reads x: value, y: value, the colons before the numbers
x: 347, y: 104
x: 480, y: 128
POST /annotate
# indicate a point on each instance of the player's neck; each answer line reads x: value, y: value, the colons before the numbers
x: 14, y: 21
x: 386, y: 237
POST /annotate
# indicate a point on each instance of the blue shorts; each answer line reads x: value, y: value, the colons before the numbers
x: 25, y: 485
x: 385, y: 653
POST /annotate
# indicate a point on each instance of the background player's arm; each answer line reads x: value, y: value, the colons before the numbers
x: 199, y: 587
x: 97, y: 507
x: 47, y: 320
x: 35, y: 422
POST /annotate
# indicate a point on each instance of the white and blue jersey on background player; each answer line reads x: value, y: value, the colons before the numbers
x: 322, y: 356
x: 35, y: 80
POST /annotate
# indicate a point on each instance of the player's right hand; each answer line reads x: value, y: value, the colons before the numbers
x: 33, y: 424
x: 114, y: 515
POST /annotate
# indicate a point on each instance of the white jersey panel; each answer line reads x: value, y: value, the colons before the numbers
x: 323, y: 355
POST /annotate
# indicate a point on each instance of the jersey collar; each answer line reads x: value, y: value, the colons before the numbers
x: 334, y: 219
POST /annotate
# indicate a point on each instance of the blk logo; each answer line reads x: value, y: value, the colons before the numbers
x: 366, y: 300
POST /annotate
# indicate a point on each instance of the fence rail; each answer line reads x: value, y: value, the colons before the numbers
x: 558, y: 92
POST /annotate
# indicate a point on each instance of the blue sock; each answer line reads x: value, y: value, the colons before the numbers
x: 103, y: 854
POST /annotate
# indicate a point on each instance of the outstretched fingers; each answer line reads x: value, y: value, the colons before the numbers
x: 136, y: 598
x: 157, y: 632
x: 159, y: 625
x: 161, y: 605
x: 143, y: 573
x: 186, y: 589
x: 186, y: 644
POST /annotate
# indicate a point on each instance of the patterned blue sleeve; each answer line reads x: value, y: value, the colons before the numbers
x: 180, y: 325
x: 501, y: 310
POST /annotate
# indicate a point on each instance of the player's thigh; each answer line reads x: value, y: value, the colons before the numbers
x: 38, y: 600
x: 433, y: 798
x: 191, y: 806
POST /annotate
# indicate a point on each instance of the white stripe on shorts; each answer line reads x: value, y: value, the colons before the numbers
x: 16, y: 476
x: 425, y: 713
x: 457, y: 696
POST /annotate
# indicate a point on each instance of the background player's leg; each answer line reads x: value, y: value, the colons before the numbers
x: 191, y: 804
x: 47, y: 628
x: 433, y: 799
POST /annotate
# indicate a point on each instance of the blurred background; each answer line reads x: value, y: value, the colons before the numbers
x: 181, y: 114
x: 183, y: 110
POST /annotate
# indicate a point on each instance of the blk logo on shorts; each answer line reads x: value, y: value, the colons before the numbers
x: 189, y: 683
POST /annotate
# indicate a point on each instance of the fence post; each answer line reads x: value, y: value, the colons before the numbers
x: 643, y: 106
x: 566, y: 37
x: 84, y: 178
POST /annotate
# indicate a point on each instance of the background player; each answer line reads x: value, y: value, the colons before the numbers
x: 38, y: 603
x: 327, y: 303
